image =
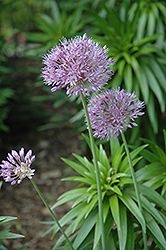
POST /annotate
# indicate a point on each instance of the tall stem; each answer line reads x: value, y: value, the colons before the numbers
x: 136, y: 188
x: 100, y: 204
x: 51, y: 212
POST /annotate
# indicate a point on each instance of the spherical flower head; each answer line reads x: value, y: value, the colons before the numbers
x: 17, y: 166
x: 112, y: 111
x: 79, y: 65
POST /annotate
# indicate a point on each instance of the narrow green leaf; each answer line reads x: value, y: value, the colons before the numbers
x: 154, y: 85
x: 122, y: 231
x: 121, y: 65
x: 108, y: 224
x: 151, y: 24
x: 130, y: 233
x: 71, y: 195
x: 148, y: 39
x: 133, y: 208
x: 133, y: 154
x: 153, y: 195
x: 141, y: 25
x: 77, y: 167
x: 163, y: 189
x: 149, y: 171
x: 55, y: 12
x: 151, y: 109
x: 116, y: 161
x: 6, y: 219
x: 114, y: 146
x: 91, y: 205
x: 128, y: 78
x: 80, y: 179
x: 85, y: 229
x: 149, y: 208
x: 164, y: 132
x: 103, y: 158
x: 154, y: 228
x: 114, y: 205
x: 141, y: 78
x: 157, y: 71
x: 8, y: 235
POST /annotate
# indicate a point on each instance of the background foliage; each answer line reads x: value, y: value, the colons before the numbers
x: 133, y: 31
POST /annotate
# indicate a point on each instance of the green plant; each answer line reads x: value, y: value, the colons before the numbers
x: 51, y: 28
x: 154, y: 173
x: 151, y: 20
x: 5, y: 233
x: 140, y: 64
x: 120, y: 210
x: 5, y: 91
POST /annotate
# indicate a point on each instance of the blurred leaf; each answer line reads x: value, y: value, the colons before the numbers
x: 154, y: 228
x: 86, y: 228
x: 131, y: 205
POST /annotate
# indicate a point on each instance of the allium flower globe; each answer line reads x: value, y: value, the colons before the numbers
x: 112, y: 111
x: 17, y: 166
x: 79, y: 65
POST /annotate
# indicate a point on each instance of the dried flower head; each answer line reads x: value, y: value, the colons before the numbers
x: 17, y: 166
x: 78, y: 64
x: 111, y: 112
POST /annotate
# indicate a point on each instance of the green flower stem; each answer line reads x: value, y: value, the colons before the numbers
x: 51, y: 212
x: 100, y: 204
x: 136, y: 188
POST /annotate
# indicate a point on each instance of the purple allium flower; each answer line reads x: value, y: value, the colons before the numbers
x: 17, y: 166
x: 78, y: 64
x: 112, y: 111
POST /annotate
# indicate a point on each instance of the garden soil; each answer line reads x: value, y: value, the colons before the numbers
x: 22, y: 201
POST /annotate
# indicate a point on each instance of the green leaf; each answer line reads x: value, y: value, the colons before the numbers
x: 77, y: 167
x: 151, y: 24
x: 130, y: 233
x: 84, y: 161
x: 85, y: 229
x: 154, y: 228
x: 141, y: 25
x: 164, y: 132
x: 91, y: 205
x: 120, y: 66
x: 114, y: 205
x: 157, y: 71
x: 80, y: 179
x: 133, y: 154
x: 128, y: 78
x: 7, y: 235
x: 116, y: 160
x: 103, y: 158
x: 153, y: 83
x: 148, y: 39
x: 153, y: 195
x: 55, y: 12
x: 6, y: 219
x: 71, y: 195
x: 114, y: 146
x: 108, y: 222
x: 151, y: 109
x: 149, y: 208
x: 122, y: 230
x: 133, y: 208
x: 149, y: 171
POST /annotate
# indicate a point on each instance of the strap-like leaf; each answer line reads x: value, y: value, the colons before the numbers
x: 133, y: 208
x: 155, y: 230
x: 85, y: 229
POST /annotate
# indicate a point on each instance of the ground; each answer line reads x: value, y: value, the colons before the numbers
x: 22, y: 200
x: 49, y: 146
